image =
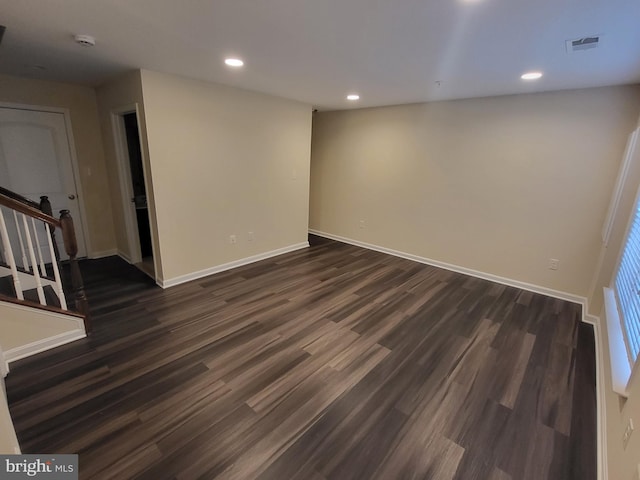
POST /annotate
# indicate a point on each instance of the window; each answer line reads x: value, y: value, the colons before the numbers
x: 622, y: 308
x: 627, y: 287
x: 622, y: 300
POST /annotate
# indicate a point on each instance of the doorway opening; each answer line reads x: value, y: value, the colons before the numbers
x: 134, y: 192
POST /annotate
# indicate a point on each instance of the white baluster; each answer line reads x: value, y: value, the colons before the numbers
x: 56, y: 272
x: 43, y: 269
x: 34, y: 262
x: 9, y: 257
x: 25, y: 263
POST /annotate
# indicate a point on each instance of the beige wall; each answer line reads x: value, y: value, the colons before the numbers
x: 499, y: 185
x: 81, y: 103
x: 224, y: 161
x: 20, y: 326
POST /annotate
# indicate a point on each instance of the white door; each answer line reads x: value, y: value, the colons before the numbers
x: 35, y: 160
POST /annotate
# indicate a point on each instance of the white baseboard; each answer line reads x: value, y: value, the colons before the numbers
x: 601, y: 410
x: 103, y: 254
x: 124, y: 256
x: 570, y: 297
x: 43, y: 345
x: 587, y: 318
x: 171, y: 282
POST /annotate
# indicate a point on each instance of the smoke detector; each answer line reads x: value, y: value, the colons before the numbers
x: 584, y: 43
x: 85, y: 40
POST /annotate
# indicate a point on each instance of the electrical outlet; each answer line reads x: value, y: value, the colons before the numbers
x: 554, y: 263
x: 361, y: 223
x: 250, y: 236
x: 627, y: 433
x: 232, y: 239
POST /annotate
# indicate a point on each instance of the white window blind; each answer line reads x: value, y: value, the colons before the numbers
x: 627, y: 286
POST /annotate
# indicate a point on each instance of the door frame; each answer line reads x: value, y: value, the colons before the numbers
x: 126, y: 185
x: 66, y: 114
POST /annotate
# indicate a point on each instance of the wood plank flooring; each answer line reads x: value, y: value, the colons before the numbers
x: 332, y: 362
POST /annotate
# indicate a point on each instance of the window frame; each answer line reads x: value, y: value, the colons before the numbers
x: 624, y: 367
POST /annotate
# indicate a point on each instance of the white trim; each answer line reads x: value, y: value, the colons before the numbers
x: 75, y: 169
x: 228, y: 266
x: 621, y: 371
x: 125, y: 257
x: 601, y: 402
x: 148, y: 189
x: 617, y: 190
x: 77, y: 177
x: 591, y: 319
x: 103, y: 254
x: 43, y: 345
x: 37, y: 108
x: 124, y: 174
x: 570, y: 297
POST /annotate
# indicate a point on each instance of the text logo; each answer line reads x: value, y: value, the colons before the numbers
x: 51, y: 467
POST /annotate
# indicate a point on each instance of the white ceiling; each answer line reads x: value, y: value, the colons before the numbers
x: 317, y: 51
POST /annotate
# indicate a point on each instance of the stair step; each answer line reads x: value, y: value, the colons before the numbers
x: 31, y: 295
x: 48, y: 268
x: 27, y: 280
x: 6, y: 286
x: 49, y: 295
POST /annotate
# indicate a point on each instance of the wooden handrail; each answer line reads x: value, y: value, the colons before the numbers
x: 45, y: 207
x: 18, y: 197
x: 28, y: 210
x: 43, y: 212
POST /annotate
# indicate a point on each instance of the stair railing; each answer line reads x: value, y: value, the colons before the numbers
x: 20, y: 239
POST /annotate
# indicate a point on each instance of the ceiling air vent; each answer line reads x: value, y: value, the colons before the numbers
x: 583, y: 44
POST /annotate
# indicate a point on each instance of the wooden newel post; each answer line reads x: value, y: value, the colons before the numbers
x: 71, y: 247
x: 45, y: 207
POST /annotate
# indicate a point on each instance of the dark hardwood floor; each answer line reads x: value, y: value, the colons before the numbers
x: 331, y: 362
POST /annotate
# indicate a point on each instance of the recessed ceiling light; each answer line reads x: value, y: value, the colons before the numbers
x: 234, y: 62
x: 531, y: 76
x: 353, y: 97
